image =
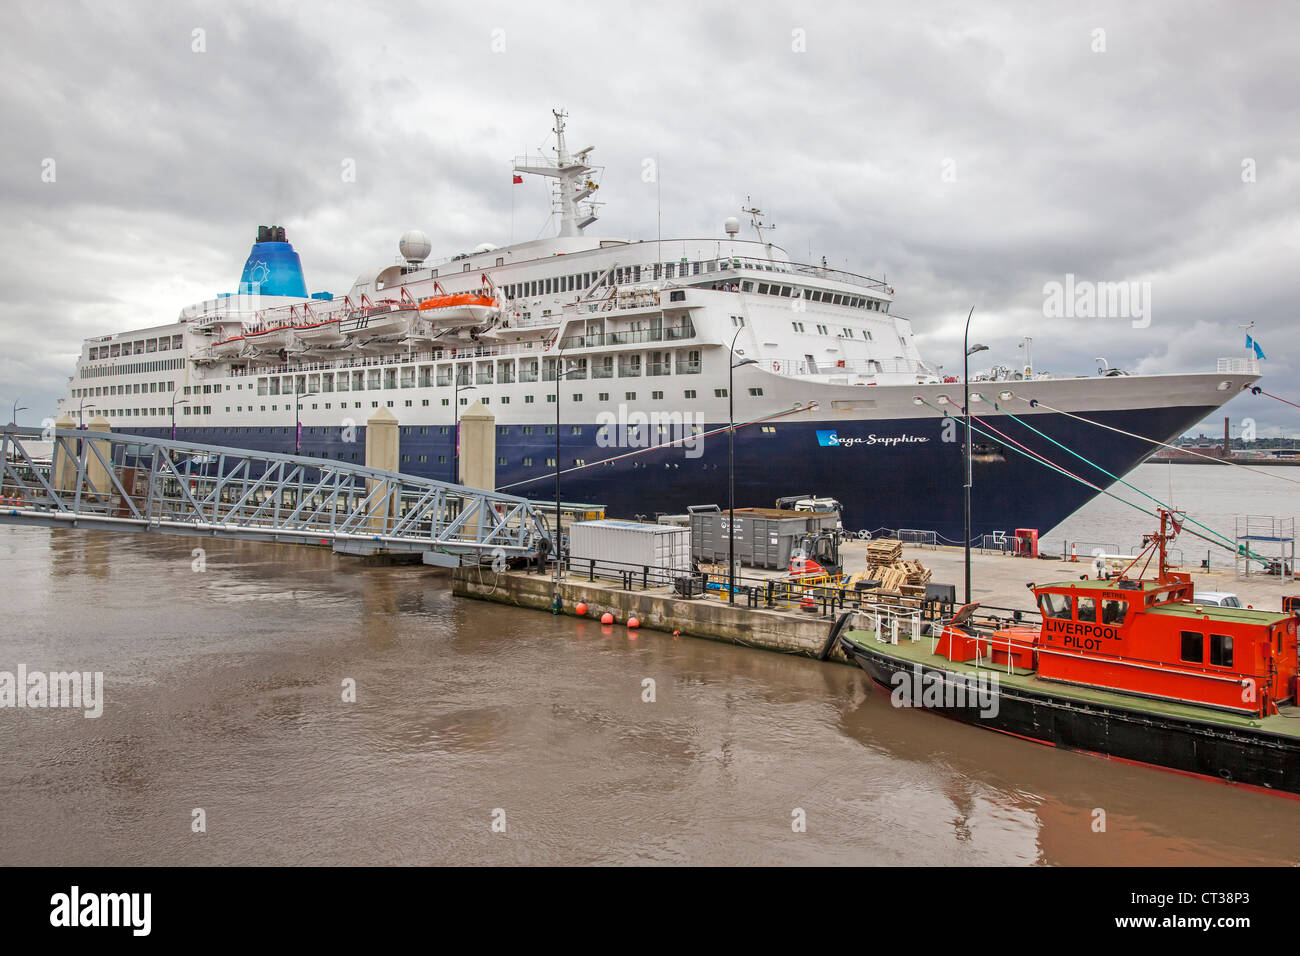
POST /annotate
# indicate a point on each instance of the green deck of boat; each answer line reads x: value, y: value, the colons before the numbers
x: 918, y: 652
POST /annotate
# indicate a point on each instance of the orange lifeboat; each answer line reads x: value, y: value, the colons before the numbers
x: 460, y: 299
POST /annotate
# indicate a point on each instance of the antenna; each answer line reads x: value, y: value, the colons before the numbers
x: 756, y: 219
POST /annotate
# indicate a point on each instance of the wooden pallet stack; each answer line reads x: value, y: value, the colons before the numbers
x: 883, y: 554
x: 885, y: 564
x: 917, y: 577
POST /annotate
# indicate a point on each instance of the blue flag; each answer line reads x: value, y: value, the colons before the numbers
x: 1259, y: 352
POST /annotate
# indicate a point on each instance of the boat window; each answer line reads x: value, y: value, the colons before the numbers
x: 1087, y: 608
x: 1193, y: 647
x: 1221, y: 650
x: 1055, y: 605
x: 1114, y: 612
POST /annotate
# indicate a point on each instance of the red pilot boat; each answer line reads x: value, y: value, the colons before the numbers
x: 1129, y: 668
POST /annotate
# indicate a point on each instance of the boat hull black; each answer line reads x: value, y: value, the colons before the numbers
x: 1237, y: 755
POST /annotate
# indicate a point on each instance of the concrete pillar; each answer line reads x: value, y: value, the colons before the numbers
x: 63, y: 466
x: 97, y: 481
x: 383, y: 451
x: 478, y: 448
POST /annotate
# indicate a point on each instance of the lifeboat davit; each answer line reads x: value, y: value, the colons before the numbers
x: 459, y: 309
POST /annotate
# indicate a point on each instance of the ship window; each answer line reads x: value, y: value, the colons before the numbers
x: 1193, y: 647
x: 1114, y: 612
x: 1087, y: 609
x: 1055, y: 605
x: 1221, y: 650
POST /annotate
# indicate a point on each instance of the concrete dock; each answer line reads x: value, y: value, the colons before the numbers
x: 997, y: 580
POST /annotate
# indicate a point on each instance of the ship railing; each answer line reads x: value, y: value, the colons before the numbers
x: 604, y: 339
x: 789, y: 267
x: 893, y: 621
x: 449, y: 354
x: 984, y: 623
x: 1238, y: 366
x: 797, y: 367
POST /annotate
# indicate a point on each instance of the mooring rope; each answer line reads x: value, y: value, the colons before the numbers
x: 1038, y: 403
x: 1042, y: 460
x: 1256, y: 390
x: 1167, y: 506
x: 1039, y: 459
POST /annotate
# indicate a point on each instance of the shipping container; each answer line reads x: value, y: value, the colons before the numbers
x: 629, y: 544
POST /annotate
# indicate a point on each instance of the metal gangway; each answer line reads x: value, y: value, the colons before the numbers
x: 118, y: 482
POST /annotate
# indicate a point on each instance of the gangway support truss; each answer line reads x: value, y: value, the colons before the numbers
x: 123, y: 482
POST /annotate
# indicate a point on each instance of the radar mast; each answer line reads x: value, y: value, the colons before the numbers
x: 573, y: 180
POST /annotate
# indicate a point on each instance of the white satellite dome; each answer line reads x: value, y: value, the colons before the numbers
x: 414, y: 246
x: 732, y: 225
x: 484, y: 247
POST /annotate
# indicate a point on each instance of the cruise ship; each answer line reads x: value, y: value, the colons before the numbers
x: 639, y: 342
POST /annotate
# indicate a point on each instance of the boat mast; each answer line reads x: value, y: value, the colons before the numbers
x: 573, y: 176
x: 1170, y: 526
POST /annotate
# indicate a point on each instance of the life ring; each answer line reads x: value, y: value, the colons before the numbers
x: 776, y: 366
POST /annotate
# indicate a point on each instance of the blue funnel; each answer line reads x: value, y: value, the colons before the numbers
x: 273, y: 268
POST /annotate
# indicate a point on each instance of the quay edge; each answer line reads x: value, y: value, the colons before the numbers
x: 789, y: 632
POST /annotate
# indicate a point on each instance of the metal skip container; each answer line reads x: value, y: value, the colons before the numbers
x: 629, y: 545
x: 765, y: 537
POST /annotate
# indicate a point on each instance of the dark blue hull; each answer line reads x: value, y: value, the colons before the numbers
x: 915, y: 483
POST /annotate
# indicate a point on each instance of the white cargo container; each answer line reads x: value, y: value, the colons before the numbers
x: 628, y: 545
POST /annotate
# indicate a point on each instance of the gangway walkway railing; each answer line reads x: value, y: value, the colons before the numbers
x: 95, y: 479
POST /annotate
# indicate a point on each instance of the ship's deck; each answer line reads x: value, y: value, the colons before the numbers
x: 1286, y: 723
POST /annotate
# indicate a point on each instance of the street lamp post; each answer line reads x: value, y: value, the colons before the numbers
x: 457, y: 388
x: 13, y: 419
x: 967, y: 351
x: 183, y: 401
x: 297, y: 420
x: 560, y: 374
x: 81, y: 412
x: 731, y: 463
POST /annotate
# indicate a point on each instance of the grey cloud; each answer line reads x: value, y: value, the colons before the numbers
x: 1113, y: 166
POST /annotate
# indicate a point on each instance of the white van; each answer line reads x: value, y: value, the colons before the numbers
x: 1217, y: 599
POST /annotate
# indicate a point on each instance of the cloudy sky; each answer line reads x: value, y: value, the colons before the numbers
x: 969, y: 153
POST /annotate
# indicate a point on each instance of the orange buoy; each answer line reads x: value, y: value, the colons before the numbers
x: 580, y: 609
x: 633, y: 622
x: 607, y: 618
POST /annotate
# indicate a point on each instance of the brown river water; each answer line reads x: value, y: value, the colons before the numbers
x: 223, y: 691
